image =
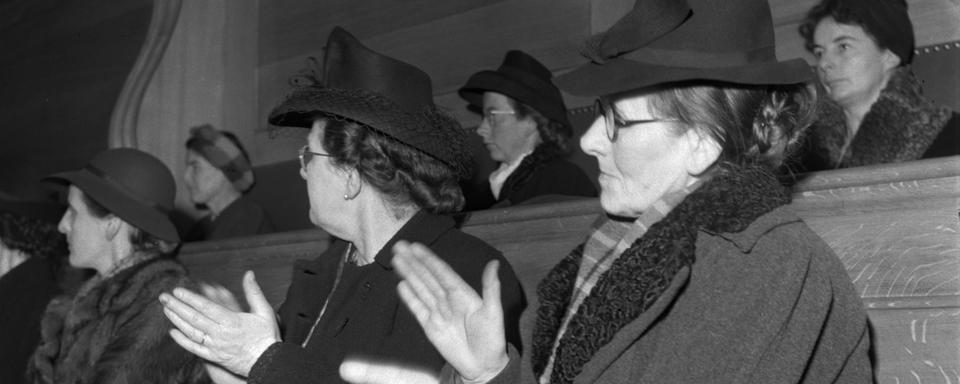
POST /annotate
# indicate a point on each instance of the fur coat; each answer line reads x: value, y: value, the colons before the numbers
x: 902, y: 125
x: 114, y: 331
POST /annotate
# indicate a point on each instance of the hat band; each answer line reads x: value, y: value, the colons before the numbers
x: 700, y: 59
x: 126, y: 191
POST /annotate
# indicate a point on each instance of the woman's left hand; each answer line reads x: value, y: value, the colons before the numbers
x: 231, y: 339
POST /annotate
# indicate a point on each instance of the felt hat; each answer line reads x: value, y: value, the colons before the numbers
x: 522, y: 78
x: 133, y: 185
x: 380, y: 92
x: 663, y: 41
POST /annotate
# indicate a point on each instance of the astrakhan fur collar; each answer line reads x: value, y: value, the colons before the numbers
x: 900, y: 126
x: 728, y: 203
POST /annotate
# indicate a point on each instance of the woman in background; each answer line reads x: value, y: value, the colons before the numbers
x: 218, y: 174
x: 526, y: 131
x: 876, y: 112
x: 698, y: 272
x: 113, y: 330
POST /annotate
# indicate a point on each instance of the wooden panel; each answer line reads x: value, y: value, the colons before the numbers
x: 917, y: 345
x: 290, y: 28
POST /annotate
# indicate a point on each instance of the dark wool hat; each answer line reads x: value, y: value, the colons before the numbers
x: 522, y: 78
x: 380, y: 92
x: 663, y: 41
x: 888, y: 22
x: 133, y: 185
x: 222, y: 153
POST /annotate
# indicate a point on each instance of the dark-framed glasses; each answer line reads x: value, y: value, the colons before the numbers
x: 306, y: 155
x: 612, y: 123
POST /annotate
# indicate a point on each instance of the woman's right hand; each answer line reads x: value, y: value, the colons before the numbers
x: 465, y: 328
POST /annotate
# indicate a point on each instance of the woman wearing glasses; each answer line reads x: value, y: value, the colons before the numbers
x: 699, y: 272
x: 526, y: 131
x: 381, y: 165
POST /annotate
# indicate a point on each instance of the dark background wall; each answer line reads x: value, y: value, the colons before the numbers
x: 62, y: 66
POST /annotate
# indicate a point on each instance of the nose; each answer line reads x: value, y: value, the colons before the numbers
x: 64, y: 226
x: 594, y: 141
x: 483, y: 130
x: 826, y: 61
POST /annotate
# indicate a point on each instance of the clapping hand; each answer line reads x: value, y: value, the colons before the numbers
x: 218, y: 333
x: 465, y: 328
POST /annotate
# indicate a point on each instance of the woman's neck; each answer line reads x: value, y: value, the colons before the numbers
x: 377, y: 224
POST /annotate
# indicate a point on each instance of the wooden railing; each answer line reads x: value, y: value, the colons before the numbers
x: 895, y: 227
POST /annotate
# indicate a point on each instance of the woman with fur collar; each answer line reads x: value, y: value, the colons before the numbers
x: 876, y: 112
x: 113, y: 330
x: 698, y: 271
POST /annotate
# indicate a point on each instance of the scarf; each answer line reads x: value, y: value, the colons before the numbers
x: 727, y: 203
x: 606, y: 244
x: 900, y: 126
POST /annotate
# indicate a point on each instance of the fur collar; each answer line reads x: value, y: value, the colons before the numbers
x: 728, y: 203
x: 900, y: 126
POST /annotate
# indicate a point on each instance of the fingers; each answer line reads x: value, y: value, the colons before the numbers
x: 202, y: 305
x: 190, y: 345
x: 255, y: 298
x: 191, y: 321
x: 417, y: 278
x: 359, y: 371
x: 221, y: 295
x: 491, y: 288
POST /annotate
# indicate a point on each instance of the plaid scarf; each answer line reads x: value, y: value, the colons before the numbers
x: 604, y: 246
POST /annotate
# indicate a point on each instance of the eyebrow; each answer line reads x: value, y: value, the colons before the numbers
x: 838, y: 39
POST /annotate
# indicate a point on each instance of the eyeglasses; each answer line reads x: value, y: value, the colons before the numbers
x: 613, y: 123
x: 306, y: 155
x: 490, y: 114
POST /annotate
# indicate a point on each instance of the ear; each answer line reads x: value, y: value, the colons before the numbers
x: 112, y: 226
x: 353, y: 183
x: 890, y: 60
x: 704, y: 151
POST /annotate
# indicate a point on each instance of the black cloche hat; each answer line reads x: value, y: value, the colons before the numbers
x: 522, y: 78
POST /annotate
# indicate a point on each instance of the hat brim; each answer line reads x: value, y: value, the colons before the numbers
x: 492, y: 81
x: 622, y: 75
x: 135, y: 212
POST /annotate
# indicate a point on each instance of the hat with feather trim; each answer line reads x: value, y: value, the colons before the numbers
x: 663, y: 41
x: 380, y: 92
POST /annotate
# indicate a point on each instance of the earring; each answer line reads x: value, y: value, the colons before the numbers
x: 346, y: 197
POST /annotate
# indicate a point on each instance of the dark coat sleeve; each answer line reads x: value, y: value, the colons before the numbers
x: 947, y: 142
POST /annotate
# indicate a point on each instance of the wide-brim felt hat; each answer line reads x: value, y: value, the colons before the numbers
x: 390, y: 96
x: 131, y: 184
x: 522, y: 78
x: 666, y: 41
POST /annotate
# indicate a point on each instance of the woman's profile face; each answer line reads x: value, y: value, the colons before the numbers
x: 85, y: 233
x: 646, y: 162
x: 504, y: 134
x: 850, y: 65
x: 325, y: 182
x: 202, y: 179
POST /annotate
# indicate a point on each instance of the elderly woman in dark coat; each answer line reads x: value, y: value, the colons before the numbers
x: 526, y: 131
x: 876, y: 112
x: 381, y: 166
x: 699, y: 272
x: 113, y: 330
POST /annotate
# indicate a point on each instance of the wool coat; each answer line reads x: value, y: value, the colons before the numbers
x: 114, y: 331
x: 243, y: 217
x: 24, y: 294
x: 770, y: 304
x: 364, y: 315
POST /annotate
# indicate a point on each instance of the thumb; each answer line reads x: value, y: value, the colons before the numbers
x: 255, y: 298
x: 491, y: 288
